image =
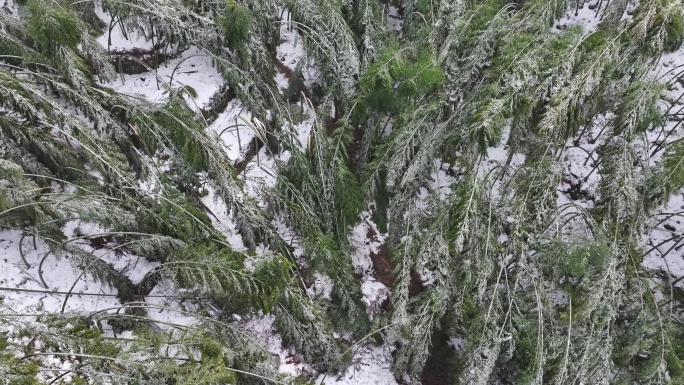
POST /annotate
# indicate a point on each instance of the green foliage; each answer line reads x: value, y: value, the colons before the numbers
x: 349, y: 195
x: 498, y: 237
x: 673, y: 168
x: 638, y: 109
x: 52, y: 23
x: 219, y: 272
x: 398, y: 77
x: 9, y: 170
x: 578, y: 260
x: 487, y: 120
x: 185, y: 133
x: 674, y: 31
x: 237, y: 20
x: 15, y: 371
x: 661, y: 25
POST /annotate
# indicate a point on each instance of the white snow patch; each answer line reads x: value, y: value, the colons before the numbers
x: 132, y: 266
x: 499, y: 157
x: 374, y: 294
x: 321, y: 287
x: 581, y: 175
x: 362, y: 245
x: 588, y: 17
x: 290, y: 362
x: 665, y: 243
x: 427, y: 277
x: 394, y: 19
x: 290, y: 50
x: 457, y: 343
x: 222, y: 219
x: 59, y: 275
x: 234, y: 133
x: 365, y: 239
x: 292, y: 238
x: 261, y: 172
x: 152, y: 184
x: 370, y: 365
x: 168, y: 308
x: 11, y: 8
x: 669, y: 69
x: 117, y: 41
x: 193, y: 68
x: 442, y: 179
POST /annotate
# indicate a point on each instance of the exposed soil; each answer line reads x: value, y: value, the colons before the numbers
x: 218, y: 102
x: 285, y: 70
x: 281, y: 67
x: 138, y: 61
x: 416, y: 286
x: 354, y: 149
x: 252, y: 148
x: 381, y: 262
x: 576, y: 192
x: 439, y: 368
x: 330, y: 125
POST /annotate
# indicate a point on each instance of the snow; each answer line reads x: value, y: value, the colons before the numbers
x: 167, y: 308
x: 291, y: 54
x: 261, y: 172
x: 119, y: 42
x: 321, y: 287
x: 588, y: 17
x: 370, y: 365
x: 580, y: 158
x: 192, y: 68
x: 58, y: 273
x: 10, y: 7
x: 152, y: 184
x: 304, y: 128
x: 290, y: 236
x: 427, y: 277
x: 668, y: 67
x: 499, y: 158
x: 222, y: 219
x: 132, y: 266
x: 394, y: 19
x: 365, y: 239
x: 231, y: 127
x: 290, y: 362
x: 664, y: 245
x: 374, y: 294
x: 627, y: 15
x: 290, y: 50
x: 442, y: 179
x: 457, y: 343
x: 362, y: 245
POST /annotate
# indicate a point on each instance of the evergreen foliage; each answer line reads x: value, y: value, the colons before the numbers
x: 457, y: 135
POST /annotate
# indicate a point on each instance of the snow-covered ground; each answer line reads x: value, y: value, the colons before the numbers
x: 395, y: 19
x: 232, y: 126
x: 115, y: 40
x: 58, y: 273
x: 664, y: 245
x: 365, y: 240
x: 370, y: 365
x: 588, y: 16
x: 192, y: 71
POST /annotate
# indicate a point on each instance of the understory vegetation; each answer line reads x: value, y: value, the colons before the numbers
x: 450, y: 128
